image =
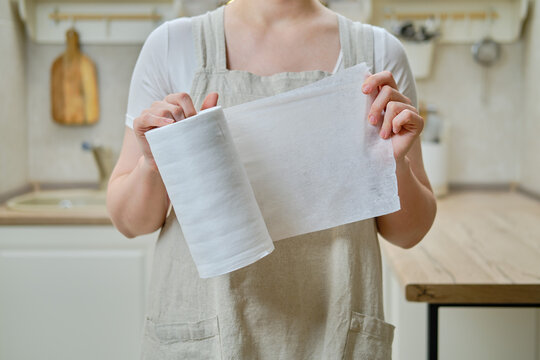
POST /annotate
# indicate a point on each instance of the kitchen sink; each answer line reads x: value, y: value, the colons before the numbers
x: 59, y: 200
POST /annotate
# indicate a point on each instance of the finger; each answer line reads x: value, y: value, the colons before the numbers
x: 408, y: 119
x: 153, y: 121
x: 398, y: 122
x: 210, y: 101
x: 393, y: 109
x: 184, y: 101
x: 386, y: 95
x: 378, y: 80
x: 165, y: 109
x: 149, y: 121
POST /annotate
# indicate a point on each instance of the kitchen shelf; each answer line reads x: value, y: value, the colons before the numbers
x: 460, y: 22
x: 103, y: 22
x: 456, y: 22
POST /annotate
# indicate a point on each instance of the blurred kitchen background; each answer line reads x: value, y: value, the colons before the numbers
x: 72, y: 287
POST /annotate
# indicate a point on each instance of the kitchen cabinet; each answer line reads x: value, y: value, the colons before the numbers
x: 72, y: 292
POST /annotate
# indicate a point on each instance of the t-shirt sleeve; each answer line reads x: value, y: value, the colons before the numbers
x: 390, y: 55
x: 149, y: 81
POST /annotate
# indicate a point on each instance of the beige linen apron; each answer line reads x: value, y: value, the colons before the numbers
x: 317, y: 296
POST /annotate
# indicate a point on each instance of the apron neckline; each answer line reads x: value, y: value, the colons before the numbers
x: 221, y: 56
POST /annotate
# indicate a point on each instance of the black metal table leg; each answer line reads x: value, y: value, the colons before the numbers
x: 433, y: 331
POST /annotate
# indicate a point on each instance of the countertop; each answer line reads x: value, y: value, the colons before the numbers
x: 11, y: 217
x: 68, y: 217
x: 484, y: 247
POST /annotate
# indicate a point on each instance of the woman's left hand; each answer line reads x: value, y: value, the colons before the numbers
x: 400, y: 120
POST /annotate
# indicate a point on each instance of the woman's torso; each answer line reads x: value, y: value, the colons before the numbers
x: 317, y: 296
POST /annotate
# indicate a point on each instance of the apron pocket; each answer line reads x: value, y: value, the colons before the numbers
x: 369, y: 338
x: 182, y: 340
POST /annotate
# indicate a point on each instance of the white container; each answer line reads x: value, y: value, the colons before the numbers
x: 420, y: 56
x: 435, y: 156
x: 435, y: 163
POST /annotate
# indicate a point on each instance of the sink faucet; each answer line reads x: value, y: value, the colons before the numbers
x: 104, y: 161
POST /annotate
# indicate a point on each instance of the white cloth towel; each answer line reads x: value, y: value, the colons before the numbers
x: 308, y: 156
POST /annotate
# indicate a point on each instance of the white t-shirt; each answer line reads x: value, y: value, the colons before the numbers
x: 167, y: 64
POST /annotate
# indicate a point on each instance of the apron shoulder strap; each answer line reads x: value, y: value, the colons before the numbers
x: 358, y: 40
x: 207, y: 38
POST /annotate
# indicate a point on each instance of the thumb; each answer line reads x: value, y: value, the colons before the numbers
x: 210, y: 101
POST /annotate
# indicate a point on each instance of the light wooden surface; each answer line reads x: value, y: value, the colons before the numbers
x: 11, y: 217
x: 484, y: 247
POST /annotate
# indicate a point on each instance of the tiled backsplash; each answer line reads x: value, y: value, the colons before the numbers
x: 55, y: 152
x: 13, y: 133
x: 481, y: 133
x: 482, y: 107
x: 530, y: 145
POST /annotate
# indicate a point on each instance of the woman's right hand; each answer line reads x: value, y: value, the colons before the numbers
x: 175, y: 107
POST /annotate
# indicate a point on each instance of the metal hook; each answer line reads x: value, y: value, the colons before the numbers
x: 155, y: 15
x: 491, y: 18
x: 390, y: 18
x: 56, y: 20
x: 107, y: 26
x: 72, y: 23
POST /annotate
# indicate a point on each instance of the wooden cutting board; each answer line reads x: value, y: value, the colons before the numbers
x: 74, y: 93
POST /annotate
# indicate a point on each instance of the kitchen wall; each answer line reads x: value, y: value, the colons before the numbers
x: 483, y: 134
x: 530, y: 148
x: 484, y: 111
x: 55, y: 153
x: 13, y: 139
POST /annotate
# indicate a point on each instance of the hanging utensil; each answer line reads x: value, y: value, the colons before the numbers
x: 486, y: 52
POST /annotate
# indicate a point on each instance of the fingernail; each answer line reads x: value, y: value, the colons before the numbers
x: 383, y: 134
x: 372, y: 119
x: 365, y: 88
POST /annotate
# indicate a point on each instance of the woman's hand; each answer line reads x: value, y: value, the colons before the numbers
x: 175, y: 107
x: 400, y: 119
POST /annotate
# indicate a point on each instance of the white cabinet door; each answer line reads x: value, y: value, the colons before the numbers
x: 72, y: 292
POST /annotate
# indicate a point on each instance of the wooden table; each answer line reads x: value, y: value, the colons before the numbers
x: 483, y: 250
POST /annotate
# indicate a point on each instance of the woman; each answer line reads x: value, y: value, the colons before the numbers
x: 318, y: 295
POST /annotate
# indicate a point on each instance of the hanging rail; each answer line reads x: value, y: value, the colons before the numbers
x: 477, y: 15
x: 57, y: 16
